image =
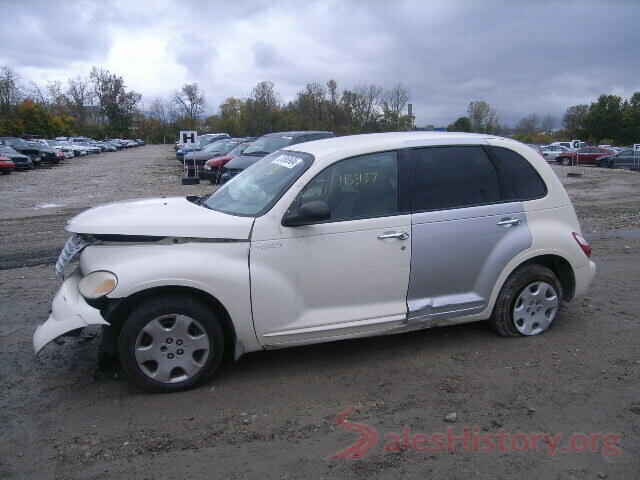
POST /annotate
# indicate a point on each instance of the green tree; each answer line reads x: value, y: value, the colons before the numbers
x: 462, y: 124
x: 190, y: 101
x: 631, y: 120
x: 604, y: 118
x: 574, y: 121
x: 117, y: 104
x: 484, y: 118
x: 261, y: 112
x: 33, y: 118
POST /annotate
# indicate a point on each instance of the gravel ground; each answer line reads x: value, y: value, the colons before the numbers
x: 273, y: 414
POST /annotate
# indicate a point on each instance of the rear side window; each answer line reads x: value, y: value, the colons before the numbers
x: 519, y: 180
x: 452, y: 177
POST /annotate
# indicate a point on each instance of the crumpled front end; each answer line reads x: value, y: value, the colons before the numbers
x: 69, y: 312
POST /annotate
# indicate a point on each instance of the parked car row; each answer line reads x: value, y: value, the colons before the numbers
x: 218, y: 157
x: 601, y: 156
x: 21, y: 154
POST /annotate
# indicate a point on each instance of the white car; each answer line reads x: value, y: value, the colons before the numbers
x: 327, y: 240
x: 65, y: 150
x: 550, y: 152
x: 78, y: 150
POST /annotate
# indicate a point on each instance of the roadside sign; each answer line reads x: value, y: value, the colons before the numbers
x: 575, y: 144
x: 636, y: 147
x: 188, y: 137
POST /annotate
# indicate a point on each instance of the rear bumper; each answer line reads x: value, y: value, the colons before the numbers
x: 69, y: 312
x: 584, y: 277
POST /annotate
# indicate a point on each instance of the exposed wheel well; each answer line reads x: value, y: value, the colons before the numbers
x: 562, y: 269
x: 116, y: 312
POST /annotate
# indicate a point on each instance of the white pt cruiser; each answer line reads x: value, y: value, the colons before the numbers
x: 326, y: 240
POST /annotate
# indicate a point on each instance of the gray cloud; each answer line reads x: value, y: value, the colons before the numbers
x: 266, y: 55
x: 522, y: 57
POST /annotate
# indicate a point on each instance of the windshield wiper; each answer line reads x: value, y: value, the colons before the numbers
x: 257, y: 152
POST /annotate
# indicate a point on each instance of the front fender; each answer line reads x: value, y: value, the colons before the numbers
x: 220, y: 269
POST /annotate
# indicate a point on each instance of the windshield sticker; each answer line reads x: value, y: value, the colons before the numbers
x: 286, y: 161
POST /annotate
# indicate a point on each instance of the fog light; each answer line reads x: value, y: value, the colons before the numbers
x: 97, y: 284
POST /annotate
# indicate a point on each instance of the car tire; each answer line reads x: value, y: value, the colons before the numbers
x: 520, y: 310
x: 611, y: 165
x: 565, y: 161
x: 169, y: 344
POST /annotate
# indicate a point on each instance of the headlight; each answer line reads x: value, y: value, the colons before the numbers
x: 97, y: 284
x: 207, y: 167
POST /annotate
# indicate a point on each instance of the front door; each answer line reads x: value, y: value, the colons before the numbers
x: 341, y: 278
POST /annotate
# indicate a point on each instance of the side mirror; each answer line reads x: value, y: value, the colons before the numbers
x: 310, y: 212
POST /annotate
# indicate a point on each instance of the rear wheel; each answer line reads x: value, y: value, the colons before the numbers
x: 529, y: 302
x: 169, y: 344
x: 565, y: 161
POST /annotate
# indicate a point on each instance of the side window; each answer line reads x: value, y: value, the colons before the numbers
x: 519, y: 179
x: 359, y: 187
x: 452, y: 177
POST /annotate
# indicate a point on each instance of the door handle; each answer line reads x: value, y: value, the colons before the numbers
x: 505, y: 222
x: 399, y: 235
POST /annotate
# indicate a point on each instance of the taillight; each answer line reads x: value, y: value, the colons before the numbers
x: 584, y: 245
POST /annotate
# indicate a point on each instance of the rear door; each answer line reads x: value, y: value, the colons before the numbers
x: 467, y: 223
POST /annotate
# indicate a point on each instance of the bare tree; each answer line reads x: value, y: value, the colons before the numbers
x: 80, y: 98
x: 10, y: 92
x: 365, y: 106
x: 548, y: 124
x: 528, y: 127
x: 393, y: 102
x: 483, y: 117
x: 37, y: 93
x: 158, y: 111
x: 190, y: 101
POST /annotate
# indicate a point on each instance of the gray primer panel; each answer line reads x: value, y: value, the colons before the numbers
x: 457, y: 256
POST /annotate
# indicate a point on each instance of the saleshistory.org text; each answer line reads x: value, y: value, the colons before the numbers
x: 473, y: 439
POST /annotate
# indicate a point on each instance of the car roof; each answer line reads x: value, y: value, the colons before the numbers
x: 297, y: 133
x: 372, y: 142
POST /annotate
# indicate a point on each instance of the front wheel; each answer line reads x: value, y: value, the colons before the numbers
x: 168, y: 344
x: 529, y: 302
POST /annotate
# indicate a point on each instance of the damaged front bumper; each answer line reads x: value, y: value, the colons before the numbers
x: 69, y: 312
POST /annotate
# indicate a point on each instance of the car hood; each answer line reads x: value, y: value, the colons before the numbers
x: 161, y: 217
x: 220, y: 160
x: 16, y: 156
x: 202, y: 155
x: 243, y: 161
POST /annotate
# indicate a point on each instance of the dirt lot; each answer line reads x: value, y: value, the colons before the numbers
x: 272, y: 414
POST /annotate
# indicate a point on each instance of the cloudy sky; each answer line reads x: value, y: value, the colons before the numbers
x: 522, y: 57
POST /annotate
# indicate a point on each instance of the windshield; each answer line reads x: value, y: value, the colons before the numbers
x: 238, y: 149
x: 266, y: 145
x: 221, y: 146
x: 6, y: 149
x: 17, y: 143
x: 256, y: 189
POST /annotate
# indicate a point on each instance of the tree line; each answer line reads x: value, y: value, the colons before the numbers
x: 609, y: 120
x: 100, y: 105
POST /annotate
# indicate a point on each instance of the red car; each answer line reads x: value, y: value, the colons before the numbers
x: 213, y: 167
x: 583, y: 156
x: 6, y: 165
